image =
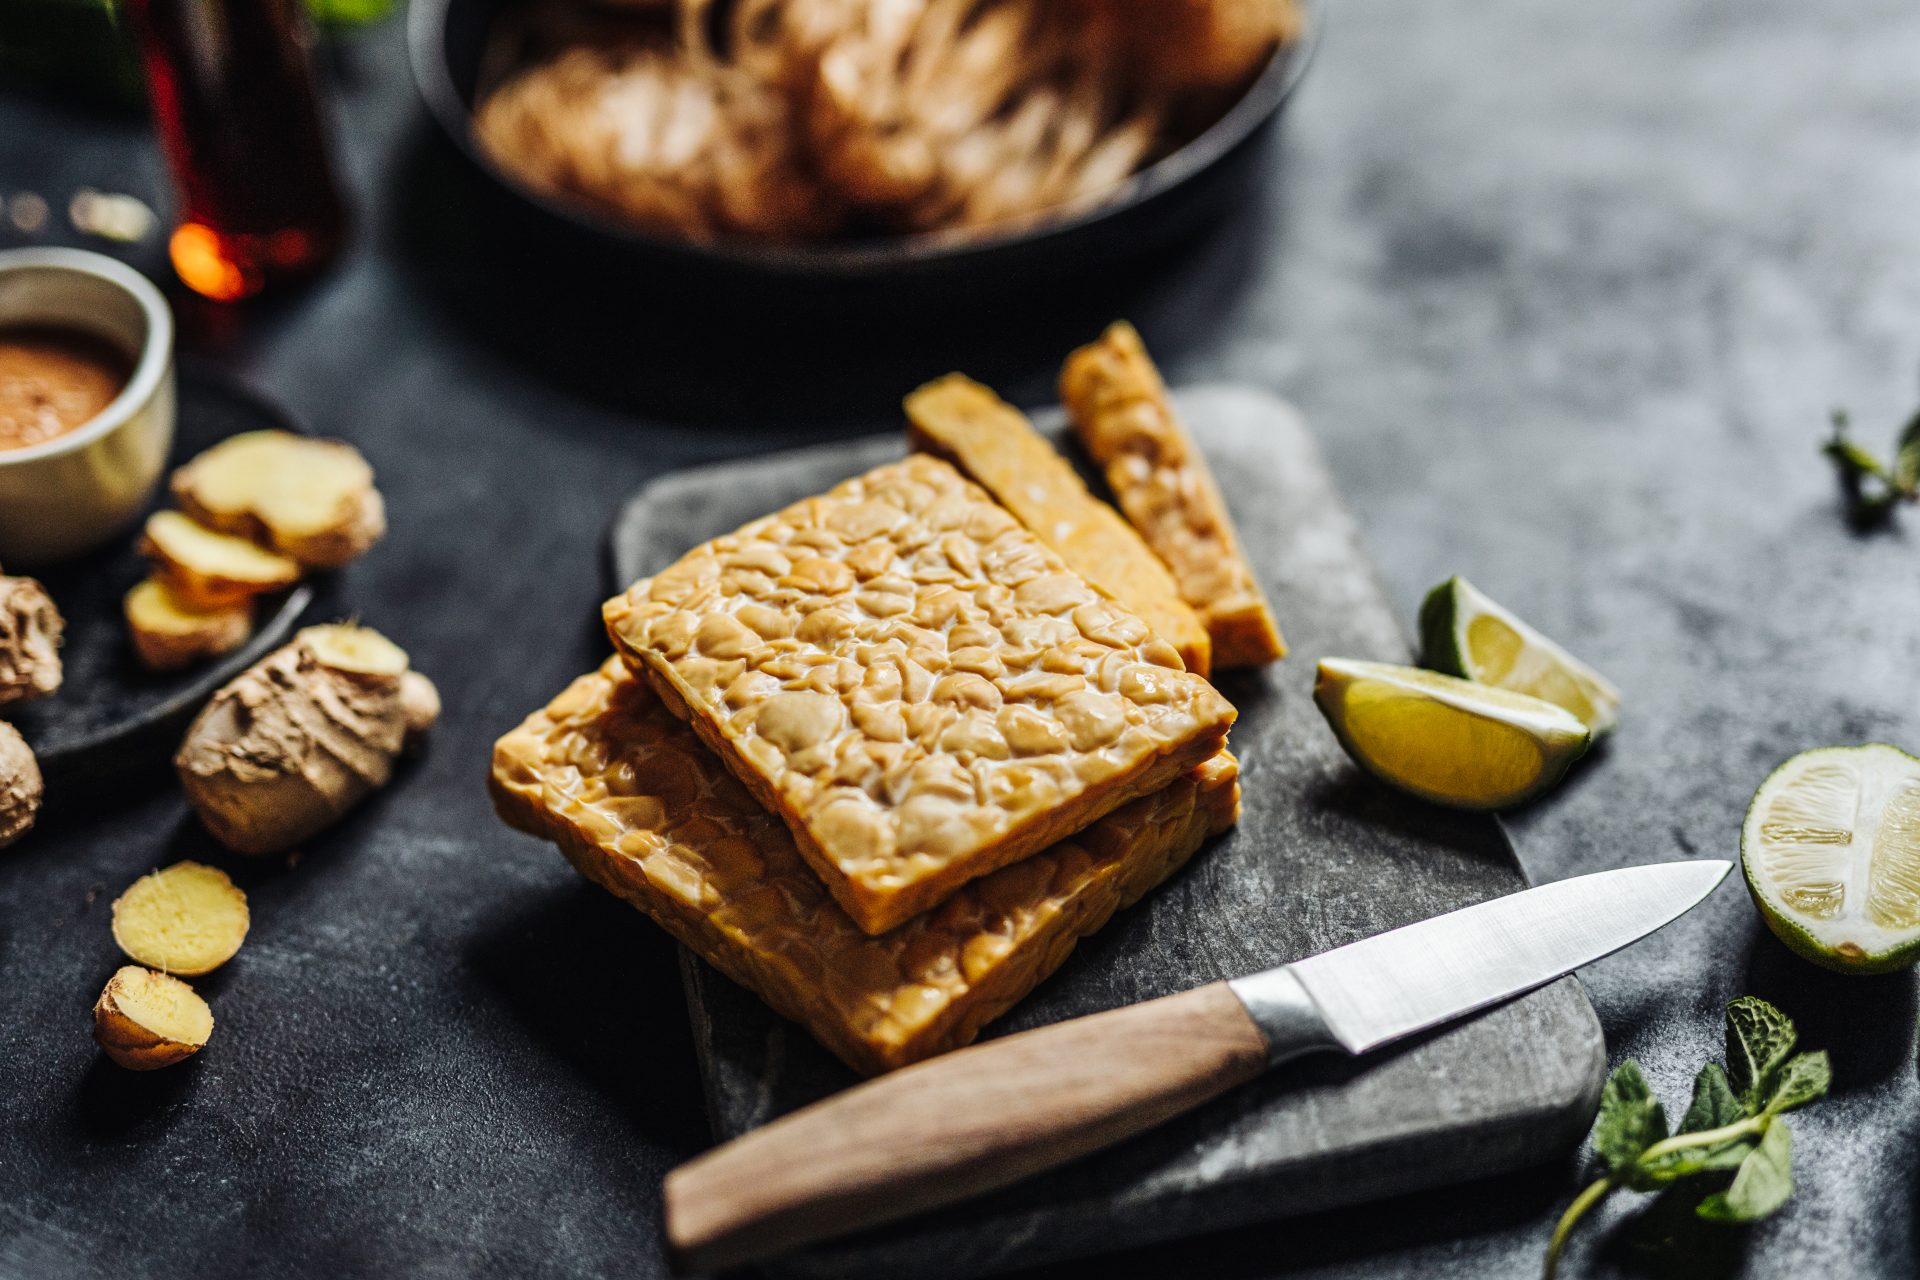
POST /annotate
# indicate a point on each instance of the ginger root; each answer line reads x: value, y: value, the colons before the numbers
x: 419, y: 706
x: 187, y: 918
x: 30, y: 630
x: 212, y: 570
x: 146, y: 1020
x: 303, y: 735
x: 170, y: 631
x: 20, y: 785
x: 310, y: 499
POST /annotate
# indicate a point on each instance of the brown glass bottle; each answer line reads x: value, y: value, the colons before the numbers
x: 232, y: 90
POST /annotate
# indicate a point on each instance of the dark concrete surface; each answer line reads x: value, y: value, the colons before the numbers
x: 1566, y: 292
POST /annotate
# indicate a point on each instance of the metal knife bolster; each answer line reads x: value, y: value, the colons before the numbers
x: 1289, y: 1020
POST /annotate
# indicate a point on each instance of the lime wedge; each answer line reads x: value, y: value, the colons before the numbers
x: 1472, y: 746
x: 1831, y: 848
x: 1463, y: 633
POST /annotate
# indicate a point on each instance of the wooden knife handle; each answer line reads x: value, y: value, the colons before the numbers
x: 958, y: 1125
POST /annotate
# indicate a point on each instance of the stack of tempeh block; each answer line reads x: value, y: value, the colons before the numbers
x: 886, y: 755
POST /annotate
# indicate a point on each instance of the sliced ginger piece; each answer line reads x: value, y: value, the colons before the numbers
x: 310, y: 499
x: 213, y: 569
x: 187, y: 918
x: 362, y: 651
x: 357, y: 650
x: 170, y: 631
x: 145, y: 1020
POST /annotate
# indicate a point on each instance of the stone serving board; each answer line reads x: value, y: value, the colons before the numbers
x: 1322, y: 856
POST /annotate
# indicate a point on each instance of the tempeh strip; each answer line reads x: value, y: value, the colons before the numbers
x: 997, y: 448
x: 1161, y: 479
x: 914, y: 683
x: 645, y: 811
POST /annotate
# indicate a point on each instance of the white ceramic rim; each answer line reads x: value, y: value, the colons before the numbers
x: 156, y: 355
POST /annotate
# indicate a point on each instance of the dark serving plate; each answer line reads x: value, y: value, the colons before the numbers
x: 110, y: 711
x: 1153, y: 208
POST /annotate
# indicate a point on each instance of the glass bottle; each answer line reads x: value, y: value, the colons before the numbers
x: 232, y: 89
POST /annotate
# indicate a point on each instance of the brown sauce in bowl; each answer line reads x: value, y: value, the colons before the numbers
x: 54, y: 380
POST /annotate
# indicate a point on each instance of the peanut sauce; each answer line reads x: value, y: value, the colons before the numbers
x: 53, y: 380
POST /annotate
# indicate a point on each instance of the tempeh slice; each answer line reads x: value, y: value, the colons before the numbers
x: 914, y: 683
x: 1161, y: 479
x: 641, y: 808
x: 997, y: 448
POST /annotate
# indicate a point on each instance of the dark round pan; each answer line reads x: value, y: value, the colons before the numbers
x: 1155, y: 207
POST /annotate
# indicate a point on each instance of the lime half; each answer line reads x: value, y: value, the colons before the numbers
x: 1463, y: 633
x: 1831, y: 849
x: 1451, y: 741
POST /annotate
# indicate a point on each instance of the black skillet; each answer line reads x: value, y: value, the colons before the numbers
x: 1154, y: 208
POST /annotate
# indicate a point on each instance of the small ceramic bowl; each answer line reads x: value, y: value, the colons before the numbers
x: 75, y: 491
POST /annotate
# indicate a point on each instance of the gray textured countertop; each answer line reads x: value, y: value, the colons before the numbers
x: 1566, y: 293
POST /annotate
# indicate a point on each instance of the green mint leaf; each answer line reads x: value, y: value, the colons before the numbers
x: 1906, y: 460
x: 1759, y: 1040
x: 1714, y: 1105
x: 1854, y: 463
x: 1802, y: 1080
x: 1869, y: 486
x: 1631, y: 1119
x: 1718, y: 1157
x: 1733, y: 1125
x: 1763, y: 1184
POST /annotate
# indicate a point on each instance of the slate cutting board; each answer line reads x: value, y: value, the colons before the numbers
x: 1322, y: 856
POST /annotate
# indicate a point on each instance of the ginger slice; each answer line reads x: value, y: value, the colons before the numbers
x: 310, y: 499
x: 20, y: 785
x: 213, y: 569
x: 294, y: 741
x: 187, y: 918
x: 146, y: 1020
x: 358, y: 650
x: 30, y: 628
x: 170, y: 631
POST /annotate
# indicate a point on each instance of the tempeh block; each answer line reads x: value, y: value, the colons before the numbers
x: 645, y: 811
x: 914, y: 683
x: 997, y: 448
x: 1161, y: 479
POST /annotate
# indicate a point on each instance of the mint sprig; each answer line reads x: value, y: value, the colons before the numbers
x: 1734, y: 1124
x: 1869, y: 486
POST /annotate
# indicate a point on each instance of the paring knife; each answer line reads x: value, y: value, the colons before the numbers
x: 985, y: 1116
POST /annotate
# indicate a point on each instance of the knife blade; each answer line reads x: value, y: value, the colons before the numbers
x: 991, y: 1114
x: 1407, y: 980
